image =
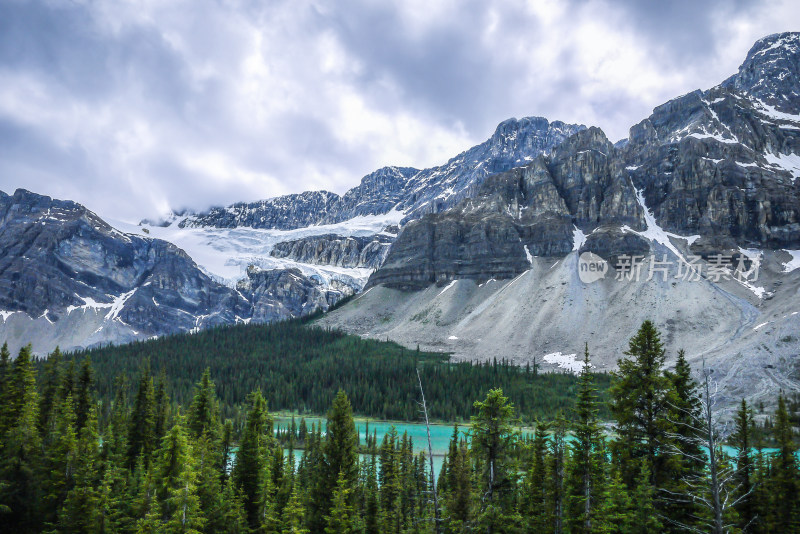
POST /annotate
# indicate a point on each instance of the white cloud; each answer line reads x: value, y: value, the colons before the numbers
x: 138, y: 106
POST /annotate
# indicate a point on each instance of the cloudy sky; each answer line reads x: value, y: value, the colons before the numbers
x: 136, y: 107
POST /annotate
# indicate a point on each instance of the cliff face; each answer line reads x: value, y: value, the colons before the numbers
x: 721, y: 165
x: 332, y: 249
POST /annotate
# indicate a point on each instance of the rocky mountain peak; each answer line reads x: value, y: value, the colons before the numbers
x: 771, y: 72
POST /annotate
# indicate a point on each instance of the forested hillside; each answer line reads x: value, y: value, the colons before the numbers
x: 300, y: 368
x: 153, y: 469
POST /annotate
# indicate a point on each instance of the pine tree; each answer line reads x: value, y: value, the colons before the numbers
x: 141, y: 433
x: 5, y: 389
x: 175, y: 483
x: 586, y: 467
x: 21, y: 448
x: 340, y: 520
x: 615, y: 509
x: 687, y: 461
x: 230, y: 517
x: 50, y: 383
x: 785, y: 474
x: 203, y: 415
x: 292, y: 517
x: 83, y: 393
x: 340, y: 456
x: 81, y: 511
x: 60, y: 460
x: 249, y: 470
x: 645, y: 517
x: 160, y: 407
x: 555, y: 475
x: 534, y: 494
x: 493, y: 444
x: 640, y: 403
x: 742, y: 441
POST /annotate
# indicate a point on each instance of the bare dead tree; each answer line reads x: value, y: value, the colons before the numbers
x: 437, y: 519
x: 716, y: 489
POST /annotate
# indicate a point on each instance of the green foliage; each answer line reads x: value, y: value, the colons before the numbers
x: 116, y: 476
x: 301, y: 368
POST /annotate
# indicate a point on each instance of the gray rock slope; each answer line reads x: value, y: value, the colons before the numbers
x: 331, y: 249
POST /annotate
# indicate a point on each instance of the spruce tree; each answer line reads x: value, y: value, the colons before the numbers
x: 141, y: 432
x: 586, y: 466
x: 494, y: 443
x: 82, y: 510
x: 742, y: 441
x: 640, y: 403
x: 340, y: 457
x: 60, y: 460
x: 83, y: 393
x: 340, y: 520
x: 292, y: 517
x: 21, y: 448
x: 786, y: 492
x: 203, y: 414
x: 686, y: 463
x: 250, y: 469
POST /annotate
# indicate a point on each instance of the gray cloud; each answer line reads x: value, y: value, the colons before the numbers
x: 134, y: 108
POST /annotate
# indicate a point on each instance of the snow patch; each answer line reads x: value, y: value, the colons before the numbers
x: 448, y: 286
x: 788, y: 162
x: 759, y: 326
x: 565, y: 361
x: 528, y: 255
x: 452, y: 337
x: 794, y: 263
x: 578, y: 238
x: 6, y: 314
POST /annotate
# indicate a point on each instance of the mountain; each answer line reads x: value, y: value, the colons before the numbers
x: 74, y: 280
x: 482, y: 256
x: 709, y: 179
x: 402, y: 189
x: 68, y: 278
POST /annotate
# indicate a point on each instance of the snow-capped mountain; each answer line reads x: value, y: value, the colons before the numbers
x: 402, y: 189
x: 709, y: 177
x: 478, y: 256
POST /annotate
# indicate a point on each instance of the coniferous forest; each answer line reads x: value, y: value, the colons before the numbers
x: 673, y: 462
x: 300, y: 368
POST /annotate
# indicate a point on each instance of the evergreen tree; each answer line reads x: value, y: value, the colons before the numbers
x: 60, y: 460
x: 175, y: 483
x: 83, y: 393
x: 141, y: 433
x: 340, y: 520
x: 340, y: 459
x: 615, y: 510
x: 534, y: 494
x: 82, y: 511
x: 249, y: 470
x: 687, y: 461
x: 785, y: 474
x: 640, y: 404
x: 21, y: 449
x: 292, y: 517
x: 160, y: 407
x: 203, y: 415
x: 645, y: 518
x: 50, y: 383
x: 494, y: 445
x: 587, y: 461
x: 742, y: 441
